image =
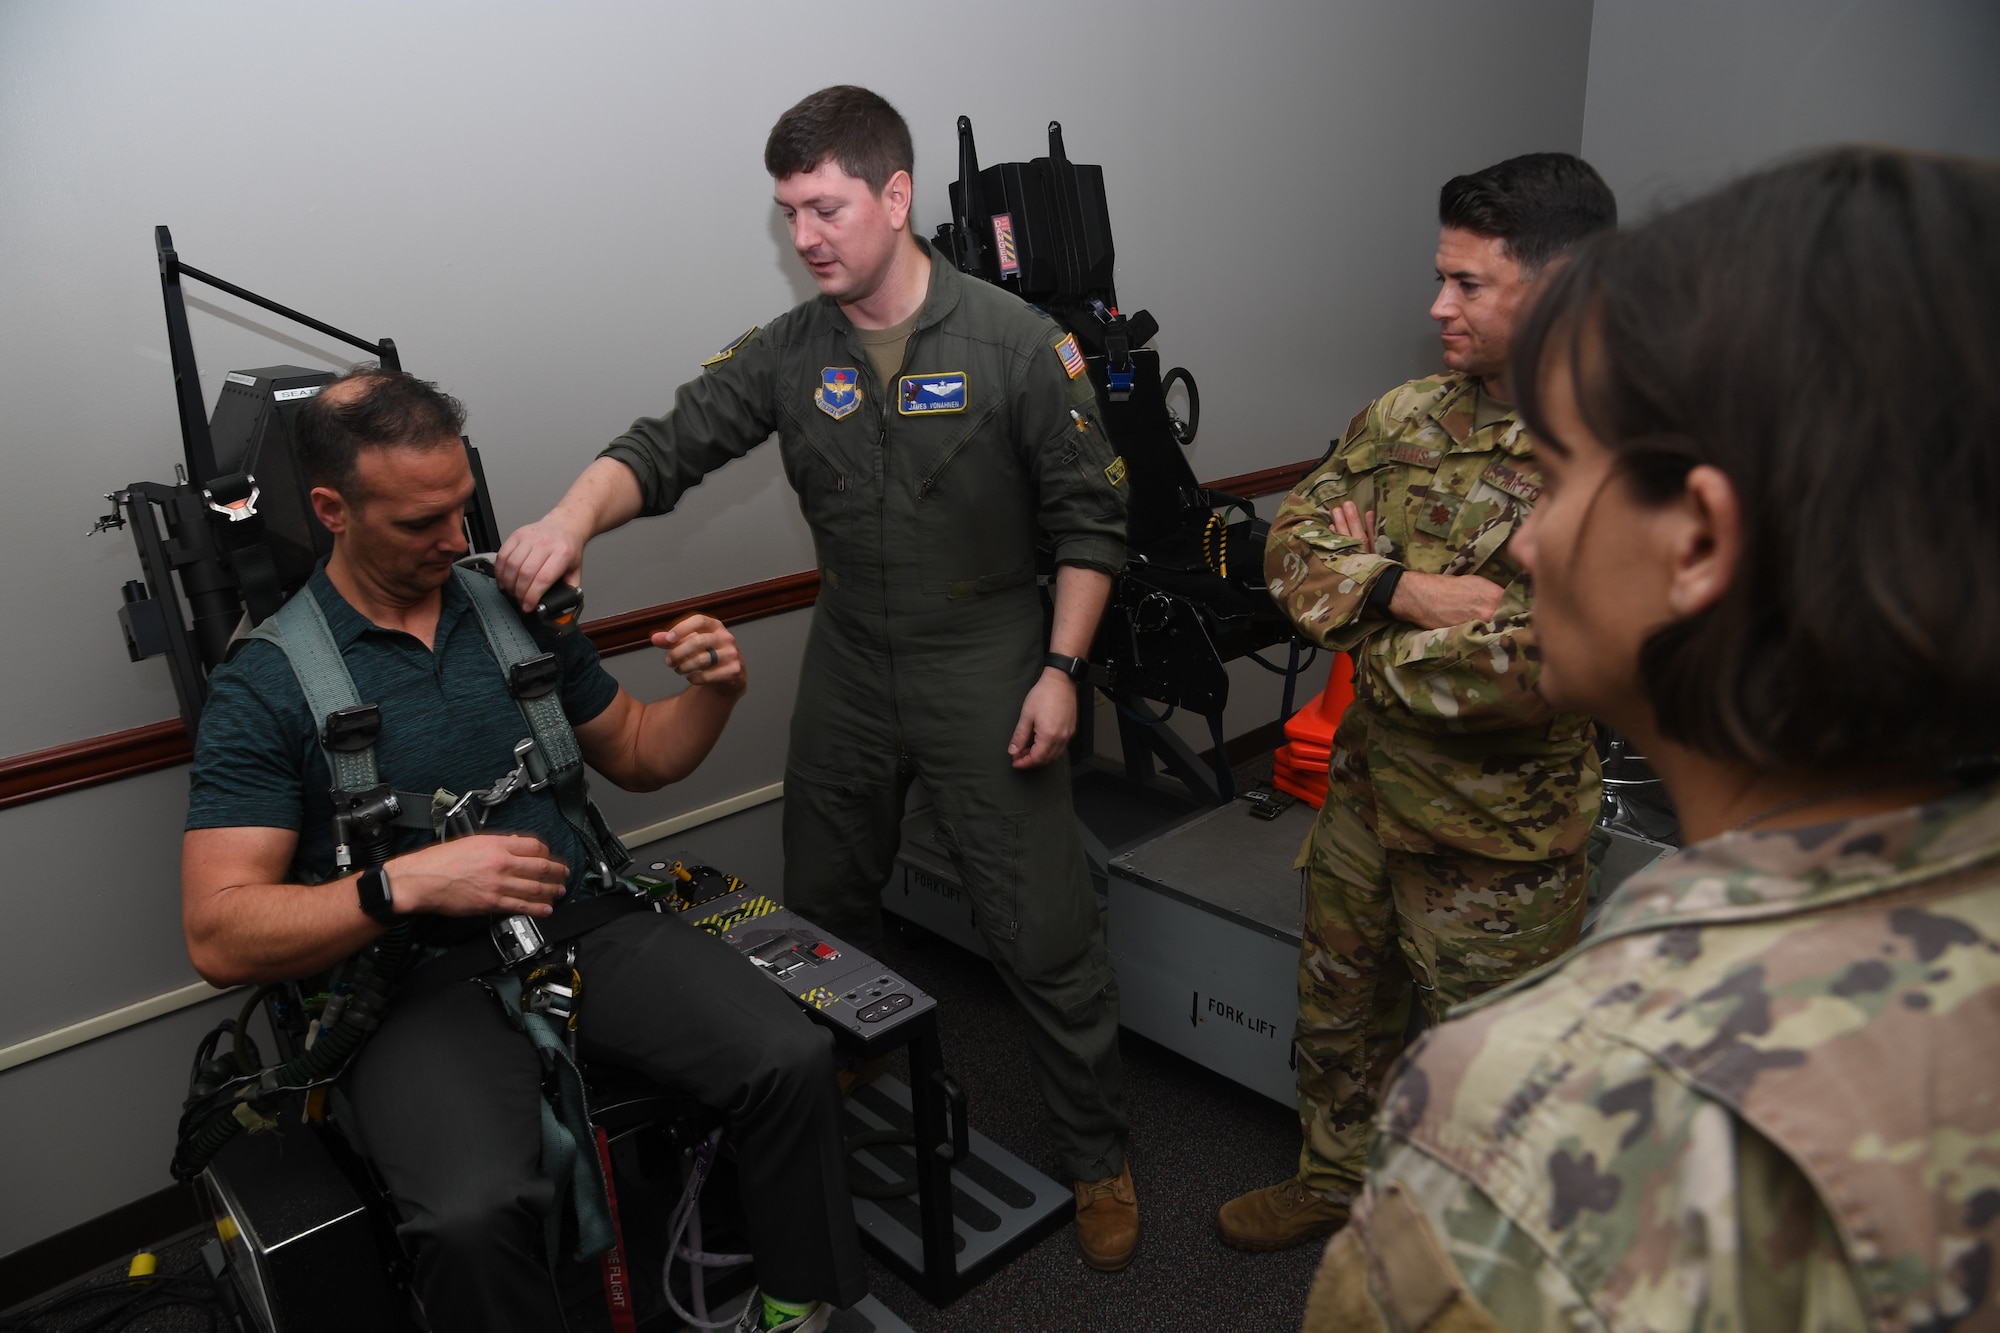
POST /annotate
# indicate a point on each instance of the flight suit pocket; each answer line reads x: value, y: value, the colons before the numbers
x: 986, y: 852
x: 827, y: 485
x: 974, y: 513
x: 1096, y: 476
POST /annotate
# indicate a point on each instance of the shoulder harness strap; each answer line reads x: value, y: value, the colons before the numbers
x: 300, y: 630
x: 541, y: 704
x: 346, y: 728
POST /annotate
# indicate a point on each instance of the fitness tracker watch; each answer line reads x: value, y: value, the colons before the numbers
x: 373, y: 886
x: 1076, y: 668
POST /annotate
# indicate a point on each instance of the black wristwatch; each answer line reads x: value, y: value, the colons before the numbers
x: 1384, y: 591
x: 1076, y: 668
x: 373, y: 886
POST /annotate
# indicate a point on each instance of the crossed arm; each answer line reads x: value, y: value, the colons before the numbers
x: 245, y: 925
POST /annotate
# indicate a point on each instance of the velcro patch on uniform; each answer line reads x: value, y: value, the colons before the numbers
x: 1114, y: 472
x: 921, y: 395
x: 730, y: 349
x: 839, y: 391
x: 1071, y: 358
x: 1415, y: 455
x: 1502, y: 477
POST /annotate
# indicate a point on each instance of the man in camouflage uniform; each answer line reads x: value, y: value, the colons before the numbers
x: 1763, y: 1094
x: 1449, y: 856
x: 1761, y: 1090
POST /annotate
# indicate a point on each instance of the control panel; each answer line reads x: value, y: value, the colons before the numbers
x: 850, y: 991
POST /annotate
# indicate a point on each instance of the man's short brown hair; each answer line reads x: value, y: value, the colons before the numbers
x: 851, y: 126
x: 371, y: 408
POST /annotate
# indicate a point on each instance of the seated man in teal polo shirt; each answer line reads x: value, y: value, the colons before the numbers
x: 445, y: 1095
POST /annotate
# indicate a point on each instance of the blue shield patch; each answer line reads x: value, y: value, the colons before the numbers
x: 839, y: 391
x: 922, y: 395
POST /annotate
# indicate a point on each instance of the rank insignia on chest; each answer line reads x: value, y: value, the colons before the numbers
x: 839, y: 391
x: 921, y: 395
x: 1071, y: 358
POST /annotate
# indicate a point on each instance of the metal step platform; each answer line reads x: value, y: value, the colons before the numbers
x: 1000, y: 1205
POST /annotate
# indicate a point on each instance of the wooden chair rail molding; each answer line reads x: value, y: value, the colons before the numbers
x: 125, y: 754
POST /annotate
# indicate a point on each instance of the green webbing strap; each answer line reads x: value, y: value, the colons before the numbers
x: 301, y: 633
x: 511, y: 645
x: 569, y: 1146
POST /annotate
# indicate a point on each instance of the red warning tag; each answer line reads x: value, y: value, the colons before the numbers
x: 1004, y: 247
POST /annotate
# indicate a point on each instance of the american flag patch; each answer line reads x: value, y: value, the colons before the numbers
x: 1071, y: 358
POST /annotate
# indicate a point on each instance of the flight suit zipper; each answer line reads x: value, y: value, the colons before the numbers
x: 929, y: 483
x: 839, y: 477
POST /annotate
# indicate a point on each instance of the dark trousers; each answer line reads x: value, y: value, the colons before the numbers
x: 868, y: 720
x: 446, y: 1093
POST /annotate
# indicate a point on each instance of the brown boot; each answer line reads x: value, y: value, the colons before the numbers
x: 861, y: 1076
x: 1278, y: 1217
x: 1107, y: 1221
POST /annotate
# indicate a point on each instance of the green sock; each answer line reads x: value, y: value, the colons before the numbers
x: 777, y: 1312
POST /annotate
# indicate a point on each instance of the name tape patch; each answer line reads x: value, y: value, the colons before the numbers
x: 839, y: 391
x: 1071, y: 358
x: 921, y: 395
x: 1415, y: 455
x: 1499, y: 475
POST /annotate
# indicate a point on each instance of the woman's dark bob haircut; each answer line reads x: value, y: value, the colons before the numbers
x: 1823, y: 333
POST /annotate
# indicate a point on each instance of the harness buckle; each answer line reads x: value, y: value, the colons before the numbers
x: 516, y: 938
x: 531, y: 764
x: 533, y: 677
x: 350, y: 729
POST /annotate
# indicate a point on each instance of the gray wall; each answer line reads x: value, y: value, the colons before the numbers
x: 1684, y: 96
x: 557, y: 211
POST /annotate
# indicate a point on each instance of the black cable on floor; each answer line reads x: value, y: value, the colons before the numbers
x: 133, y: 1297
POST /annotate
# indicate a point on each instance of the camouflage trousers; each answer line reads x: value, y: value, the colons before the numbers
x: 1387, y: 929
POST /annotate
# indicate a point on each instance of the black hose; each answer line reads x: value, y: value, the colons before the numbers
x: 246, y: 1049
x: 382, y: 966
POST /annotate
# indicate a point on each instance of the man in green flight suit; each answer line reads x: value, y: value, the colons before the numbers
x: 1449, y: 856
x: 933, y: 426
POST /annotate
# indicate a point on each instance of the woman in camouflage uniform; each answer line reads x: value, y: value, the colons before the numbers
x: 1763, y: 1094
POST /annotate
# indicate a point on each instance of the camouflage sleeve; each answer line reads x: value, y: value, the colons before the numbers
x: 721, y: 414
x: 1320, y: 578
x: 1479, y: 676
x: 1430, y: 1250
x: 1080, y: 479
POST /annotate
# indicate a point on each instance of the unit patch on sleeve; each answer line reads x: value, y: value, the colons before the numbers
x: 1071, y: 358
x: 730, y: 350
x: 1499, y: 475
x: 839, y: 391
x: 921, y: 395
x: 1114, y: 472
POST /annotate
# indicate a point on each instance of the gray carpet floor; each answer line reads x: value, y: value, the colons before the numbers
x: 1198, y: 1139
